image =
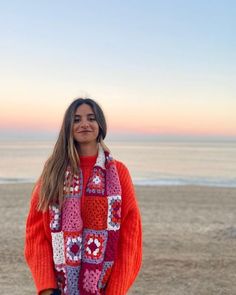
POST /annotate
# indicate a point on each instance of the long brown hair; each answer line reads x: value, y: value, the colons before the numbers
x: 65, y: 154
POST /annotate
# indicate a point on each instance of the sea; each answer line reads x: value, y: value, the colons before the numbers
x: 150, y: 163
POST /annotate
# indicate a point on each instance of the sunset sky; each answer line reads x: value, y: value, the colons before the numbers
x: 161, y: 68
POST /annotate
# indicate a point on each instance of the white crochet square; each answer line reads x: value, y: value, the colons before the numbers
x: 58, y: 248
x: 100, y: 158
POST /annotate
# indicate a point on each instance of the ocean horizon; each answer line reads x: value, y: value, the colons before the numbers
x: 149, y: 162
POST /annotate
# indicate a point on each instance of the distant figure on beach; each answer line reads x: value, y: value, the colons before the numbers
x: 83, y: 231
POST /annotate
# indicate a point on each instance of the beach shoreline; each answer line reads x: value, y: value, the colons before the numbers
x: 189, y: 240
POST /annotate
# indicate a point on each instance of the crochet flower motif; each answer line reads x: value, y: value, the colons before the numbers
x: 90, y: 280
x: 73, y: 248
x: 96, y: 179
x: 94, y: 246
x: 96, y: 183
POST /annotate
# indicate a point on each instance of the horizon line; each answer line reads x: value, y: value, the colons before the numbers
x: 116, y: 136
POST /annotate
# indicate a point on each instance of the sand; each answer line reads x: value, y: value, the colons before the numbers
x: 189, y: 240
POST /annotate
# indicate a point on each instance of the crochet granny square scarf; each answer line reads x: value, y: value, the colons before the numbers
x: 85, y: 245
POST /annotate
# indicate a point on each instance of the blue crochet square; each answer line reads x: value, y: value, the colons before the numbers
x: 73, y: 279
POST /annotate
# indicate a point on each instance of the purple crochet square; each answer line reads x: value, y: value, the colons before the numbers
x: 73, y: 280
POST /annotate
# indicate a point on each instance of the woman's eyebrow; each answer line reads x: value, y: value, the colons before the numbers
x: 89, y: 115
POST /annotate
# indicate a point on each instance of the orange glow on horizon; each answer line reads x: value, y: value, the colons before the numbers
x: 149, y: 120
x: 52, y: 125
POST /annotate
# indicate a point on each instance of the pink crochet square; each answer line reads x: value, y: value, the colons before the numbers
x: 71, y: 216
x: 89, y: 278
x: 112, y: 181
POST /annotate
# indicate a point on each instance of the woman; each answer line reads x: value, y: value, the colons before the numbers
x: 83, y: 231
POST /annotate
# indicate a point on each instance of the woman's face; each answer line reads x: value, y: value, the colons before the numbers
x: 85, y: 127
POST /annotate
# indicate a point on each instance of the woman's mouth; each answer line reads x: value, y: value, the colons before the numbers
x: 85, y: 131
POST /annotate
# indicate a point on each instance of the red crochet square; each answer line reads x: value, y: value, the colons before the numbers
x: 95, y: 212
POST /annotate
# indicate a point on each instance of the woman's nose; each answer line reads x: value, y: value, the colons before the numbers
x: 84, y: 123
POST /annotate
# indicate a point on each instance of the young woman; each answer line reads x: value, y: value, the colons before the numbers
x: 83, y: 231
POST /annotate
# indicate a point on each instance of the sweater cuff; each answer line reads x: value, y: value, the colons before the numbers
x: 44, y: 279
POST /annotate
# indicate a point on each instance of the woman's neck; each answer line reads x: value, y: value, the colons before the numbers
x: 87, y: 150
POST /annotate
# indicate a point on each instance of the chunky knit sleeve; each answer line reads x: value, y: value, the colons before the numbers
x: 38, y: 251
x: 129, y: 256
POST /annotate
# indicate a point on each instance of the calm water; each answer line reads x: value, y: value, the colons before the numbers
x: 150, y: 163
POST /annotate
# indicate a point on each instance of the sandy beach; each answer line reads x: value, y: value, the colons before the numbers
x: 189, y: 240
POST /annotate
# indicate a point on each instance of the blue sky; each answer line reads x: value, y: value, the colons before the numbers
x: 163, y: 67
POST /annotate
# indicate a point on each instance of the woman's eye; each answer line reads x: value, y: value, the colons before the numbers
x: 92, y: 119
x: 76, y: 120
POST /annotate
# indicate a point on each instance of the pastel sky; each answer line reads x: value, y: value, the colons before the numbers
x: 156, y: 67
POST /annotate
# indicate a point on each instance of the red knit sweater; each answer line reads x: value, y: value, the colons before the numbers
x: 38, y: 246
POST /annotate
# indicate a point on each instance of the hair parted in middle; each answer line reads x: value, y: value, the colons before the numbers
x: 65, y: 154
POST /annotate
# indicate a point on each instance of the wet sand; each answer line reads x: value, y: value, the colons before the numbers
x: 189, y: 240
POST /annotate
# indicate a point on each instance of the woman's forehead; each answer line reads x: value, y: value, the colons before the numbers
x: 84, y: 109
